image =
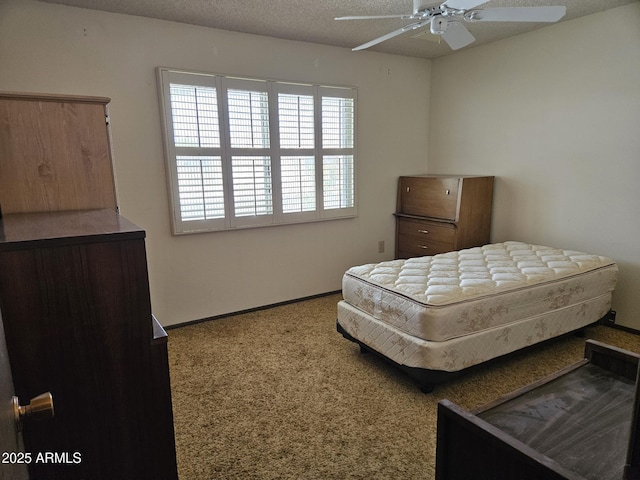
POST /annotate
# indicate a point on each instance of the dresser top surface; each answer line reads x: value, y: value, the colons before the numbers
x: 50, y: 228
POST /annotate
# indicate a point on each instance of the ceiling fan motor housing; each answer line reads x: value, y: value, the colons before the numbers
x: 438, y: 25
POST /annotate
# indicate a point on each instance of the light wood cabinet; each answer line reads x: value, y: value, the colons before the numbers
x: 441, y: 213
x: 55, y: 153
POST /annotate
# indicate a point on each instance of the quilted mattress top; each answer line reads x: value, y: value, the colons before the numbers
x: 454, y: 277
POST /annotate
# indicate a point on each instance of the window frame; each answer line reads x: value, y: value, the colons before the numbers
x: 276, y: 153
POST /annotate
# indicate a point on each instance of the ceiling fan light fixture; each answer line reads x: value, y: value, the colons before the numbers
x: 439, y: 25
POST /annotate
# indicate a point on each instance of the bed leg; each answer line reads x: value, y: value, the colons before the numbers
x: 363, y: 349
x: 426, y: 387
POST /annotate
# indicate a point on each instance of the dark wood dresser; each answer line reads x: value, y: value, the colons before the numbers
x: 75, y: 303
x: 441, y: 213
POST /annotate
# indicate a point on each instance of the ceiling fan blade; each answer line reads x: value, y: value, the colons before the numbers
x: 519, y: 14
x: 369, y: 17
x: 464, y: 4
x: 388, y: 36
x: 457, y: 36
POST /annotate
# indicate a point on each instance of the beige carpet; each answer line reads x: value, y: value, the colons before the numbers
x: 279, y: 394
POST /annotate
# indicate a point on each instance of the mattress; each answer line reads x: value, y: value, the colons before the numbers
x: 452, y: 295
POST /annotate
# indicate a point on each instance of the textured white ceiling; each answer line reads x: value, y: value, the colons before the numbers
x: 313, y: 20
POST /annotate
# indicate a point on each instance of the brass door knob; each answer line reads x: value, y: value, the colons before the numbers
x: 39, y: 408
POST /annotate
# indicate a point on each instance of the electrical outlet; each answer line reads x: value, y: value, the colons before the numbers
x: 611, y: 317
x: 381, y: 246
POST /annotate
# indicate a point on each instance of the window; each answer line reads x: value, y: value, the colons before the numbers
x: 249, y: 152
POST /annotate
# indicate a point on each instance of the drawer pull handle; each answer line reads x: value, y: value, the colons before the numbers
x: 426, y: 232
x: 408, y: 189
x: 424, y: 247
x: 447, y: 191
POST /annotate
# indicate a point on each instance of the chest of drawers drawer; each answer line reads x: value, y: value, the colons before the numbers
x: 429, y: 196
x: 433, y: 231
x: 419, y: 238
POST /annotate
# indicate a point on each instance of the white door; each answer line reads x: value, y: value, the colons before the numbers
x: 13, y: 461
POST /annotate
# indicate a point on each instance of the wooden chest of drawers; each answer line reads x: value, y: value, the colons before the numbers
x: 441, y: 213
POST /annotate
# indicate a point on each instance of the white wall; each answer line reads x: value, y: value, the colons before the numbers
x: 555, y: 116
x: 58, y: 49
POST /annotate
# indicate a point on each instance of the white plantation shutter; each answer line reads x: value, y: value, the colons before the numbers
x: 298, y: 165
x: 337, y: 122
x: 296, y: 115
x: 337, y: 177
x: 250, y: 152
x: 338, y: 150
x: 194, y: 151
x: 298, y: 179
x: 195, y: 124
x: 252, y: 190
x: 195, y: 116
x: 248, y: 119
x: 200, y: 187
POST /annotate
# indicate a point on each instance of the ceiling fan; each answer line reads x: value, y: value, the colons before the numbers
x: 446, y: 19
